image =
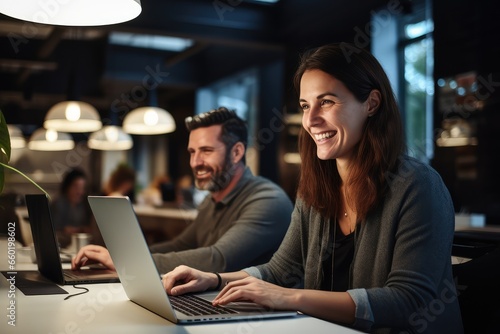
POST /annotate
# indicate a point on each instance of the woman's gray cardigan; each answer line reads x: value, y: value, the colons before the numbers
x: 401, y: 277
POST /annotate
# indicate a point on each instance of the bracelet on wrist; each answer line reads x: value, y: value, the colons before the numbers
x: 219, y: 281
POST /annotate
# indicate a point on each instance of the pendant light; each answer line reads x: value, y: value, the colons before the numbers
x: 16, y: 137
x: 73, y: 116
x: 74, y: 12
x: 110, y: 138
x: 150, y: 120
x: 50, y: 140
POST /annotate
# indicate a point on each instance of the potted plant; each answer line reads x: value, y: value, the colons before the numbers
x: 5, y: 149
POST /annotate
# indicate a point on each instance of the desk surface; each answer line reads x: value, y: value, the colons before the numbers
x: 106, y: 309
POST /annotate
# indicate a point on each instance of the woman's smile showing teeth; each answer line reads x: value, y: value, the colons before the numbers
x: 324, y: 135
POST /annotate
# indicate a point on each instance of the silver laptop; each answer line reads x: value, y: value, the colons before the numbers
x: 47, y: 252
x: 139, y: 276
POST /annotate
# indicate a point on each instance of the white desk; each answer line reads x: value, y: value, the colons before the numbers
x: 106, y: 309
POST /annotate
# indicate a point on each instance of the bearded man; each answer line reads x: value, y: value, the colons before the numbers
x: 242, y: 221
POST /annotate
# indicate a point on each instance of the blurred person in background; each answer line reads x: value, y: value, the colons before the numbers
x: 187, y: 195
x: 70, y: 210
x: 121, y: 182
x: 160, y: 190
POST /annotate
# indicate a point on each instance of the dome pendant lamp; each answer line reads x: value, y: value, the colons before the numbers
x: 50, y: 140
x: 73, y: 116
x: 110, y: 138
x: 73, y: 12
x: 150, y: 120
x: 16, y: 137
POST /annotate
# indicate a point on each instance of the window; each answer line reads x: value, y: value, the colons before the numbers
x: 238, y: 92
x: 416, y: 83
x: 403, y: 44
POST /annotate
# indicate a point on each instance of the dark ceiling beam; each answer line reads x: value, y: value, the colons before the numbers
x: 42, y: 101
x: 244, y: 25
x: 44, y: 52
x: 51, y: 43
x: 33, y: 65
x: 195, y: 49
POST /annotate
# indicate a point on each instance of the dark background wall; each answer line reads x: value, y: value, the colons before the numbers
x: 467, y: 40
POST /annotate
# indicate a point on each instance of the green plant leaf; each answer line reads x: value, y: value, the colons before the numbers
x: 25, y: 176
x: 5, y: 148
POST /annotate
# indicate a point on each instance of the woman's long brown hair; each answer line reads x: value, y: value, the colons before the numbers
x: 377, y: 152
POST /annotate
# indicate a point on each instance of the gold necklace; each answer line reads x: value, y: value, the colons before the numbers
x: 351, y: 228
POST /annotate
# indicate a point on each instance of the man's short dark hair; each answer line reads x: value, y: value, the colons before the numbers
x: 234, y: 128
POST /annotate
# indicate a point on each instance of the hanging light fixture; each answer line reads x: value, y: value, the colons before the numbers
x: 110, y: 138
x: 73, y: 116
x: 148, y: 121
x: 16, y: 137
x: 74, y: 12
x: 50, y: 140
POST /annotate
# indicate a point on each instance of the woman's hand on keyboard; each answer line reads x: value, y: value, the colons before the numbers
x: 251, y: 289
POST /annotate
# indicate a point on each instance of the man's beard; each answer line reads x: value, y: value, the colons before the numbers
x: 220, y: 179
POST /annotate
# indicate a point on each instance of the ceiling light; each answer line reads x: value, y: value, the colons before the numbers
x: 148, y: 121
x: 266, y: 1
x: 110, y: 138
x: 74, y: 12
x: 16, y: 137
x: 50, y: 140
x: 73, y: 116
x: 165, y: 43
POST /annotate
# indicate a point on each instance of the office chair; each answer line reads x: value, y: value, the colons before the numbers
x: 478, y: 283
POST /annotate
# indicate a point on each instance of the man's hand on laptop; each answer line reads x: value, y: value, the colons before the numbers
x: 92, y: 254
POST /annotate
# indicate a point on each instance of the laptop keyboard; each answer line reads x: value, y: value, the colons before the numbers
x: 193, y: 305
x: 73, y: 274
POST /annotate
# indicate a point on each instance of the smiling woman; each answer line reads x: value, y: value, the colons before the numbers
x: 380, y: 223
x: 332, y: 115
x: 361, y: 109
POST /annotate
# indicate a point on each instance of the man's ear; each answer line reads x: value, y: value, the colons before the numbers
x: 237, y: 152
x: 373, y: 102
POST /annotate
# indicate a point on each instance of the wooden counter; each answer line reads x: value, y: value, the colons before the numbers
x: 163, y: 223
x: 157, y: 223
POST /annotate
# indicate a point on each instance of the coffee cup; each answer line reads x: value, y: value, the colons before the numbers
x: 80, y: 240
